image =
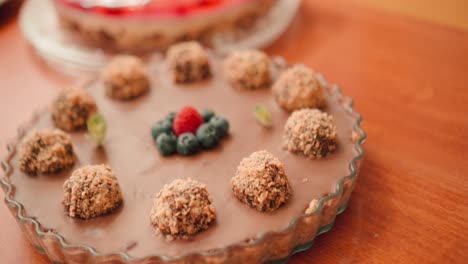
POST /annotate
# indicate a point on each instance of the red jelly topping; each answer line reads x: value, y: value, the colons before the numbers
x: 154, y: 8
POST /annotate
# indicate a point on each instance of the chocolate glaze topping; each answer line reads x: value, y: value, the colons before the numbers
x: 129, y: 149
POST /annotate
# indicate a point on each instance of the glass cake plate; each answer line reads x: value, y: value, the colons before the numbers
x: 40, y: 26
x: 273, y: 246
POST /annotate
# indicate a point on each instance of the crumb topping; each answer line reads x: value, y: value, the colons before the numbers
x: 182, y: 208
x: 310, y: 132
x: 188, y: 62
x: 261, y: 182
x: 125, y: 77
x: 297, y: 88
x: 91, y: 191
x: 46, y: 151
x: 247, y: 69
x: 72, y: 107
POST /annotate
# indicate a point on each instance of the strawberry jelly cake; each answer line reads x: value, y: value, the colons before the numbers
x: 156, y: 24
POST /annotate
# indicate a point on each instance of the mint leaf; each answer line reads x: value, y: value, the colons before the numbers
x: 96, y: 125
x: 263, y: 116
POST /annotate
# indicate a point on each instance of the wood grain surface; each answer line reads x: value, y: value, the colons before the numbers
x: 409, y: 80
x: 448, y: 12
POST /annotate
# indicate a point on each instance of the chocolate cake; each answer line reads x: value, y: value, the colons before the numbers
x: 224, y: 204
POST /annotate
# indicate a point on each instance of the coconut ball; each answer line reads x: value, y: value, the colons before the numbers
x: 91, y: 191
x: 298, y: 87
x: 188, y: 62
x: 261, y: 182
x: 310, y: 132
x: 72, y: 107
x: 182, y: 208
x: 125, y: 77
x: 247, y: 69
x: 46, y: 151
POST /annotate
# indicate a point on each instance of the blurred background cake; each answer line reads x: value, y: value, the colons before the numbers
x: 142, y: 25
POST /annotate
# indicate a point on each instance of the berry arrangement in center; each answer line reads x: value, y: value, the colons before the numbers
x: 188, y: 131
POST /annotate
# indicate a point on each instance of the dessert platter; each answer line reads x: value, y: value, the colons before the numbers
x: 84, y: 34
x: 189, y: 157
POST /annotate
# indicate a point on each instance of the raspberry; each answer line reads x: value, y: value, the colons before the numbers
x: 187, y: 120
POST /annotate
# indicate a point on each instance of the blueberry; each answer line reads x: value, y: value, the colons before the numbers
x: 207, y: 114
x: 221, y: 124
x: 166, y: 143
x: 187, y: 144
x: 170, y: 117
x: 162, y: 126
x: 208, y: 136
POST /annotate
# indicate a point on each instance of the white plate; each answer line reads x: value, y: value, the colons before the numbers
x: 40, y: 26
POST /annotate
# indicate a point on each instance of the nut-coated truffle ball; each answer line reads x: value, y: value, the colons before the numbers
x: 188, y: 62
x: 261, y: 182
x: 297, y: 88
x: 91, y: 191
x: 310, y: 132
x: 45, y: 152
x: 72, y: 107
x: 247, y: 69
x: 182, y: 208
x: 125, y: 77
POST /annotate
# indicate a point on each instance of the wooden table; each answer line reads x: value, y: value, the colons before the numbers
x: 409, y: 79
